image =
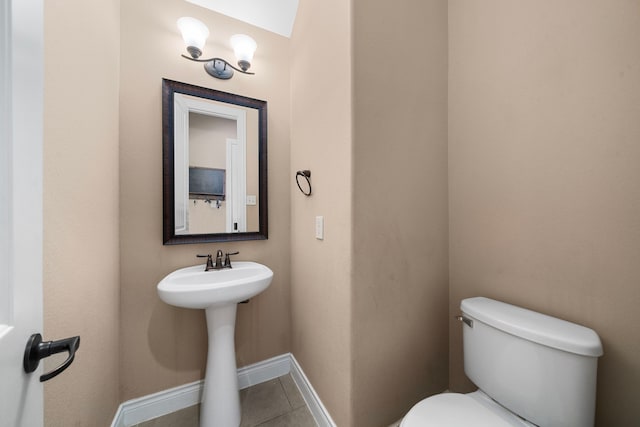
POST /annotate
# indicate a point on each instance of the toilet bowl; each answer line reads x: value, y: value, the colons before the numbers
x: 461, y: 410
x: 532, y: 370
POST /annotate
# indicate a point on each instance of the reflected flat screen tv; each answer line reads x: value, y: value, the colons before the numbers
x: 206, y: 183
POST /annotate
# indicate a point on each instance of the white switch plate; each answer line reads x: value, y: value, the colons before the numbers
x: 320, y: 227
x: 251, y: 200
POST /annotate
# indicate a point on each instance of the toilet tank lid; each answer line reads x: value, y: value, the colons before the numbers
x: 533, y: 326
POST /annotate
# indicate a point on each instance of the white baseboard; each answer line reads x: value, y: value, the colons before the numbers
x: 155, y: 405
x: 264, y: 371
x: 165, y: 402
x: 319, y: 412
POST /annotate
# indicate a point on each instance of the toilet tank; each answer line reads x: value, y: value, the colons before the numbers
x: 537, y: 366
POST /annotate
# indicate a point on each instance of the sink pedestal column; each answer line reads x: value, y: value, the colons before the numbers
x: 221, y: 398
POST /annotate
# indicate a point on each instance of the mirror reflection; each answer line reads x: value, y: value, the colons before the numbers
x: 215, y: 165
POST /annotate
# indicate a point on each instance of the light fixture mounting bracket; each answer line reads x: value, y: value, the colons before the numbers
x: 218, y: 67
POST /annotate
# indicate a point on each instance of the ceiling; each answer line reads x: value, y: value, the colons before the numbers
x: 276, y: 16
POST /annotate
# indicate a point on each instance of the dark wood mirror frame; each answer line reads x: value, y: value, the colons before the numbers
x: 169, y: 88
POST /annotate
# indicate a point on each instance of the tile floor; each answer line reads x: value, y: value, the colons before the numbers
x: 275, y: 403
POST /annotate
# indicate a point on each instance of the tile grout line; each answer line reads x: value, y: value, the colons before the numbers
x: 274, y: 418
x: 284, y: 390
x: 291, y: 408
x: 262, y: 422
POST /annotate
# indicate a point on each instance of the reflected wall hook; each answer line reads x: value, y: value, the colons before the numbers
x: 306, y: 174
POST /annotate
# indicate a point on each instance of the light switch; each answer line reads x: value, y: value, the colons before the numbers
x: 251, y: 200
x: 320, y: 227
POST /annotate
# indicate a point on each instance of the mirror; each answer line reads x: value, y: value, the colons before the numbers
x: 214, y: 152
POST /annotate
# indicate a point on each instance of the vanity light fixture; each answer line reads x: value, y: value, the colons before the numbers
x: 195, y: 33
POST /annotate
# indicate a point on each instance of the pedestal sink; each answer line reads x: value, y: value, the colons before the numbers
x: 218, y: 292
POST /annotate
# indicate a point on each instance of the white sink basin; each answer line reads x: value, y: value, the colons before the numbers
x: 192, y: 287
x: 218, y: 292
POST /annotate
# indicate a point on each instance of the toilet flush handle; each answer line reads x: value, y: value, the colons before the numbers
x: 465, y: 320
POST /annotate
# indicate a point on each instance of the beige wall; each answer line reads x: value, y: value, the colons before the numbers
x: 321, y: 142
x: 400, y: 267
x: 81, y: 282
x: 369, y: 302
x: 543, y: 172
x: 163, y: 346
x: 208, y: 140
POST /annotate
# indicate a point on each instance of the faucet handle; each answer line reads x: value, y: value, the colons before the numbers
x: 209, y: 261
x: 227, y: 260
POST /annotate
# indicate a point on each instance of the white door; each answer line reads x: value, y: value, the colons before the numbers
x: 21, y: 106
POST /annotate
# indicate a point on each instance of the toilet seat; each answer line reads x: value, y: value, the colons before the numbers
x: 461, y: 410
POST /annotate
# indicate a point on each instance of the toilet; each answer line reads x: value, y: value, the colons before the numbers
x: 531, y: 370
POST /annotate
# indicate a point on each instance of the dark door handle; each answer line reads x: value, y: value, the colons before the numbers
x: 36, y: 350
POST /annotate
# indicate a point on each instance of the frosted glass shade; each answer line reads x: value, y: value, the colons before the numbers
x: 194, y: 33
x: 244, y: 47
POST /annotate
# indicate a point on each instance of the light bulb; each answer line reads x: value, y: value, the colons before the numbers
x: 194, y: 34
x: 244, y: 47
